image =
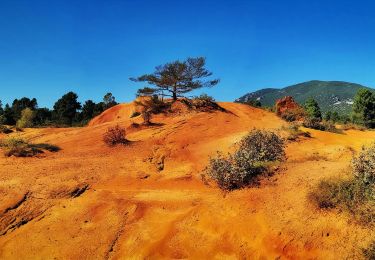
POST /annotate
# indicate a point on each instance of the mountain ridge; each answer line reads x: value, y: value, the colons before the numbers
x: 330, y: 95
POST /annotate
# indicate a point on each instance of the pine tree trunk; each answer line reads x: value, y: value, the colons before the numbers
x: 174, y: 93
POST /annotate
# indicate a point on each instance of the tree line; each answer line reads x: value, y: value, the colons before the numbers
x: 67, y: 111
x: 363, y: 110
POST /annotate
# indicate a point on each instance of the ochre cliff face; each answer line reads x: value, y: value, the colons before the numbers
x: 285, y: 104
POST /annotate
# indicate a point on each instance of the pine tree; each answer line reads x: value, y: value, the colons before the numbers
x: 177, y: 78
x: 312, y: 109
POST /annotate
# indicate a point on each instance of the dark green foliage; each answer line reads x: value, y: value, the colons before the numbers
x: 1, y: 109
x: 65, y: 109
x: 335, y: 117
x: 146, y: 91
x: 88, y: 110
x: 364, y: 108
x: 254, y: 153
x: 177, y: 78
x: 331, y: 95
x: 109, y: 101
x: 8, y: 115
x: 253, y: 103
x: 43, y: 116
x: 19, y: 105
x: 312, y: 109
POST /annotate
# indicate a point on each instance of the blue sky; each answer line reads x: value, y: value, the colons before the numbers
x: 91, y: 47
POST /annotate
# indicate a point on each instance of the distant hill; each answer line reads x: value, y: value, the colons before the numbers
x: 331, y: 95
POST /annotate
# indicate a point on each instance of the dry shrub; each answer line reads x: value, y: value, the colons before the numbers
x: 364, y: 165
x: 331, y: 127
x: 135, y: 114
x: 369, y: 252
x: 5, y: 130
x: 204, y: 102
x: 292, y: 114
x: 355, y: 195
x: 21, y: 148
x: 317, y: 124
x: 294, y: 132
x: 313, y: 123
x: 149, y: 106
x: 254, y: 154
x: 115, y: 135
x: 351, y: 126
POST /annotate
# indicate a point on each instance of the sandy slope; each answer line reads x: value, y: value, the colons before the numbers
x: 89, y: 201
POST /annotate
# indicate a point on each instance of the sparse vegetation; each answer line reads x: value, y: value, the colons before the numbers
x: 254, y: 154
x: 18, y: 147
x: 149, y: 106
x: 317, y: 124
x: 355, y: 195
x: 313, y: 123
x: 364, y: 165
x: 294, y: 132
x: 203, y: 102
x: 292, y: 115
x: 369, y: 252
x: 115, y: 135
x: 352, y: 126
x: 135, y: 114
x: 5, y: 130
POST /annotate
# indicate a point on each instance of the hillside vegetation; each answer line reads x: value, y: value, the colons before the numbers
x: 331, y: 95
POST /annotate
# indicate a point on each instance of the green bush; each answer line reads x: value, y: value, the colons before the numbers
x: 115, y: 135
x: 255, y: 152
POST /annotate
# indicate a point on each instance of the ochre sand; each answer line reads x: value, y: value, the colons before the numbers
x: 89, y: 201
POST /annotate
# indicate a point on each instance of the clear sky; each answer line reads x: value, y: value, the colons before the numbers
x: 91, y: 47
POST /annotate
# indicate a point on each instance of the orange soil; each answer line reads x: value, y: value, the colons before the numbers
x: 89, y: 201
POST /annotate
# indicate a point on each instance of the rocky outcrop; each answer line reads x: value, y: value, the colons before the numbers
x: 289, y: 109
